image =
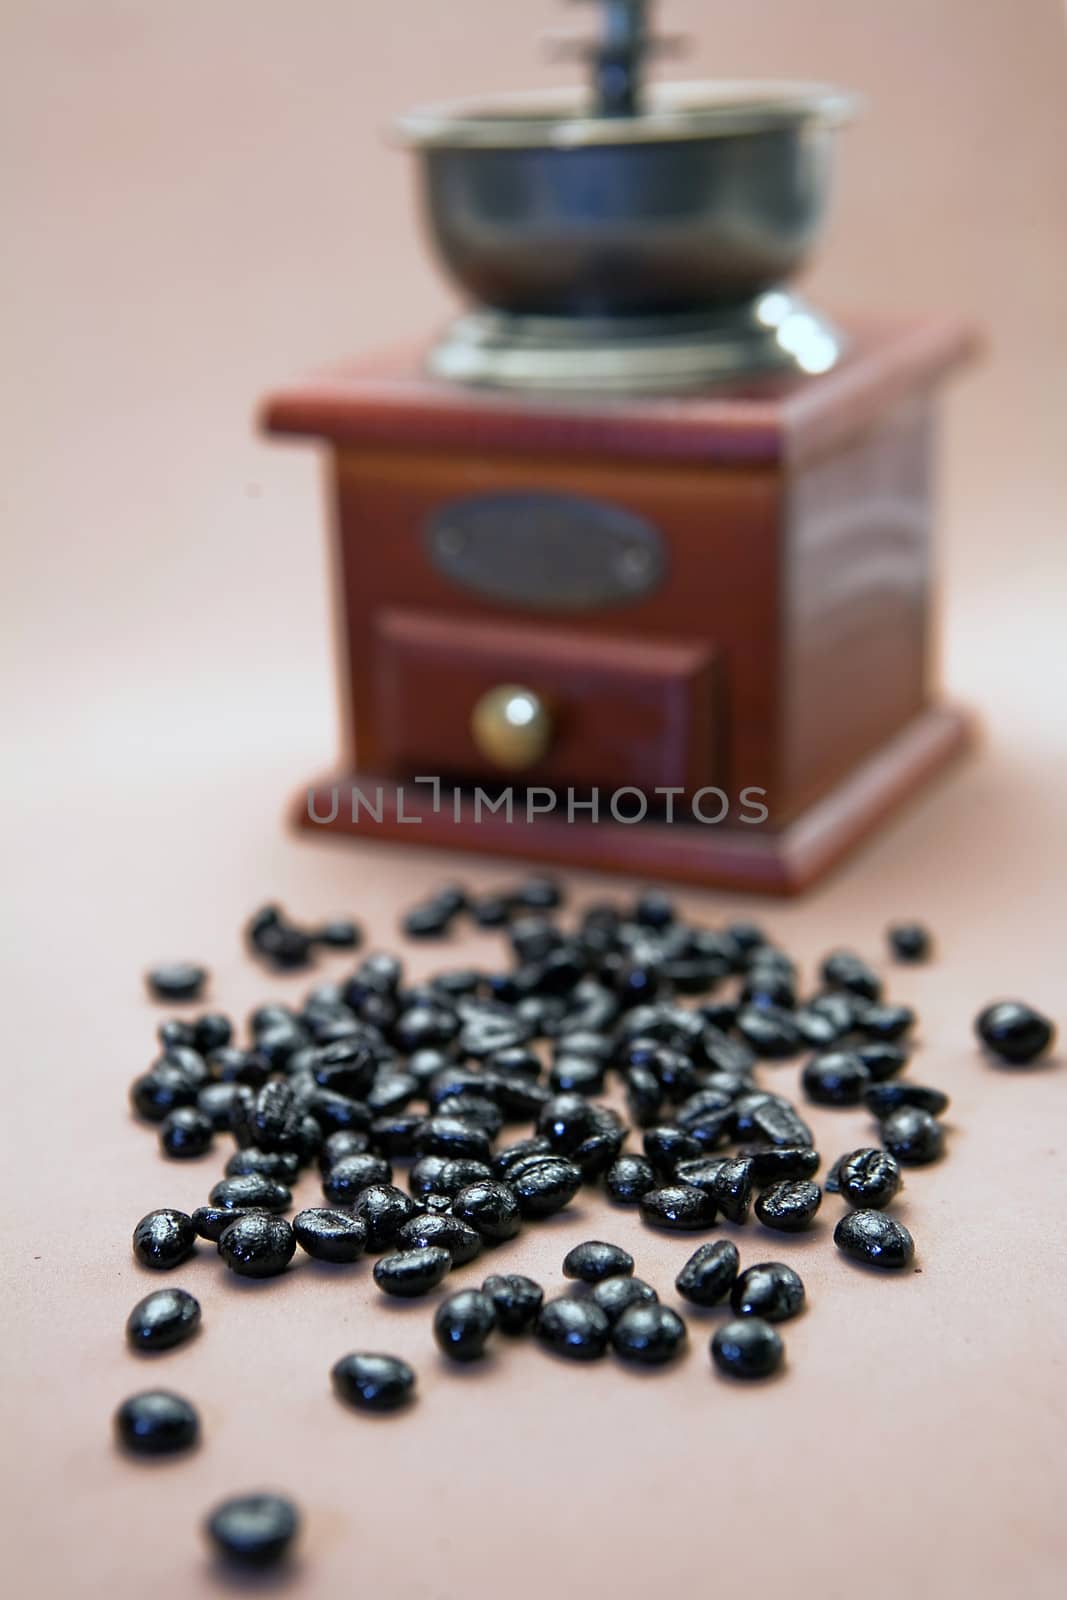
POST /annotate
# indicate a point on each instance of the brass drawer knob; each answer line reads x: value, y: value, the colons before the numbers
x: 512, y: 726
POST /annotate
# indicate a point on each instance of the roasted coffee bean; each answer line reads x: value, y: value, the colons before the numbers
x: 339, y: 1113
x: 666, y: 1145
x: 747, y: 1348
x: 769, y: 986
x: 156, y: 1423
x: 486, y: 1031
x: 373, y: 1382
x: 272, y: 1120
x: 251, y: 1192
x: 459, y: 1174
x: 340, y: 933
x: 330, y: 1235
x: 545, y: 1185
x: 392, y: 1092
x: 211, y: 1222
x: 463, y: 1323
x: 565, y: 1121
x: 432, y: 920
x: 1014, y: 1032
x: 616, y: 1295
x: 177, y: 980
x: 595, y: 1260
x: 176, y: 1032
x: 770, y: 1290
x: 345, y: 1142
x: 882, y: 1060
x: 595, y: 1155
x: 677, y: 1206
x: 868, y: 1178
x: 162, y: 1320
x: 163, y: 1238
x: 491, y: 1208
x: 816, y: 1029
x: 708, y: 1275
x: 771, y: 1165
x: 837, y: 1078
x: 406, y: 1274
x: 844, y: 970
x: 649, y: 1334
x: 516, y: 1301
x: 914, y: 1136
x: 572, y: 1327
x: 255, y: 1530
x: 383, y: 1210
x: 186, y: 1133
x: 215, y: 1102
x: 445, y: 1231
x: 348, y: 1177
x: 281, y: 1165
x: 874, y: 1238
x: 395, y: 1136
x: 576, y: 1075
x: 726, y: 1180
x: 776, y: 1122
x: 629, y: 1178
x: 884, y: 1098
x: 644, y: 1094
x: 448, y: 1136
x: 155, y: 1094
x: 909, y: 941
x: 789, y: 1206
x: 257, y: 1245
x: 770, y: 1030
x: 885, y: 1022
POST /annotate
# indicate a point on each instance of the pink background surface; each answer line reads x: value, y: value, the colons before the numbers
x: 197, y: 205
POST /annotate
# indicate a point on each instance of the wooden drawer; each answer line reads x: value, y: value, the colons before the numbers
x: 622, y: 712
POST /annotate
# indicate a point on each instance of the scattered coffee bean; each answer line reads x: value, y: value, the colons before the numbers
x: 177, y: 980
x: 251, y: 1192
x: 909, y: 941
x: 546, y: 1186
x: 516, y: 1300
x: 884, y: 1098
x: 491, y: 1208
x: 254, y: 1530
x: 1014, y: 1032
x: 747, y: 1348
x: 257, y: 1245
x: 868, y: 1178
x: 594, y: 1260
x: 156, y: 1423
x: 383, y: 1210
x: 463, y: 1323
x: 914, y: 1136
x: 771, y: 1165
x: 186, y: 1133
x: 677, y: 1206
x: 651, y: 1334
x: 770, y: 1290
x: 443, y: 1231
x: 328, y: 1234
x: 166, y: 1318
x: 708, y: 1275
x: 790, y: 1206
x: 163, y: 1239
x: 348, y: 1176
x: 575, y: 1328
x: 837, y: 1078
x: 406, y: 1274
x: 211, y: 1222
x: 874, y: 1238
x: 629, y: 1178
x: 373, y: 1382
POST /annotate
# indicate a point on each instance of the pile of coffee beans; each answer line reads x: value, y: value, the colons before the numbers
x: 622, y: 1053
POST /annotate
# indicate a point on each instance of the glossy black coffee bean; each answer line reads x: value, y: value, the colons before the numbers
x: 339, y: 1113
x: 789, y: 1206
x: 463, y: 1323
x: 727, y: 1180
x: 406, y: 1274
x: 838, y: 1008
x: 254, y: 1531
x: 882, y: 1060
x: 162, y: 1090
x: 644, y: 1095
x: 340, y: 933
x: 909, y: 941
x: 573, y: 1327
x: 394, y: 1136
x: 1014, y: 1032
x: 771, y: 1032
x: 506, y: 1158
x: 649, y: 1334
x: 390, y: 1092
x: 868, y: 1178
x: 460, y: 1174
x: 271, y: 1121
x: 776, y: 1122
x: 258, y: 1245
x: 836, y: 1078
x: 769, y: 986
x: 491, y: 1208
x: 594, y: 1260
x: 565, y: 1121
x: 817, y: 1030
x: 186, y: 1133
x: 211, y: 1222
x: 175, y: 1031
x: 448, y: 1136
x: 176, y: 980
x: 771, y: 1164
x: 345, y: 1142
x: 629, y: 1178
x: 844, y: 970
x: 884, y: 1098
x: 709, y: 1274
x: 445, y: 1231
x: 251, y: 1191
x: 516, y: 1300
x: 373, y: 1382
x: 770, y: 1290
x: 162, y: 1320
x: 616, y: 1295
x: 346, y: 1180
x: 163, y: 1238
x: 914, y: 1136
x: 281, y: 1165
x: 747, y: 1348
x: 874, y: 1238
x: 327, y: 1234
x: 596, y: 1154
x: 545, y: 1185
x: 383, y: 1210
x: 667, y: 1145
x: 156, y: 1423
x: 486, y: 1031
x: 885, y: 1023
x: 576, y: 1075
x: 215, y: 1102
x: 677, y: 1206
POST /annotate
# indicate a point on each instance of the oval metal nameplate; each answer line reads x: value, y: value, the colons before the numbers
x: 547, y: 552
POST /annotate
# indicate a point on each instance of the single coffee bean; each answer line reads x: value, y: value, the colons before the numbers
x: 156, y: 1423
x: 616, y: 1295
x: 383, y: 1210
x: 163, y: 1238
x: 283, y: 1165
x: 844, y: 970
x: 837, y: 1078
x: 575, y: 1328
x: 882, y: 1060
x: 254, y: 1530
x: 726, y: 1180
x: 770, y: 1290
x: 776, y: 1122
x: 328, y: 1234
x: 340, y: 933
x: 186, y: 1133
x: 444, y: 1231
x: 628, y: 1178
x: 771, y: 1165
x: 460, y: 1174
x: 666, y: 1145
x: 161, y: 1320
x: 708, y: 1275
x: 546, y: 1186
x: 373, y: 1382
x: 885, y: 1022
x: 176, y: 980
x: 406, y: 1274
x: 491, y: 1208
x: 215, y: 1102
x: 884, y: 1098
x: 258, y: 1245
x: 251, y: 1191
x: 1014, y: 1032
x: 448, y: 1136
x: 160, y: 1091
x: 345, y: 1142
x: 874, y: 1238
x: 594, y: 1260
x: 909, y: 941
x: 868, y: 1178
x: 516, y: 1301
x: 650, y: 1334
x: 346, y: 1179
x: 914, y: 1136
x: 789, y: 1206
x: 770, y: 1031
x: 747, y: 1348
x: 677, y: 1206
x: 463, y: 1323
x: 211, y: 1222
